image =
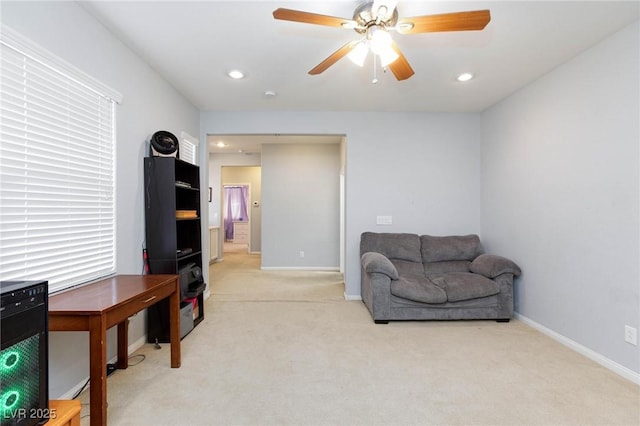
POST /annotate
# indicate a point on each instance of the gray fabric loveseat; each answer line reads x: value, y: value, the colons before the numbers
x: 412, y: 277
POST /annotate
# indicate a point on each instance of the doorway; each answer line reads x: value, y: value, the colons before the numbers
x: 303, y: 176
x: 235, y: 217
x: 240, y: 216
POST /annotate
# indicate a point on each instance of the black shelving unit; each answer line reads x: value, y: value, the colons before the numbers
x: 173, y: 231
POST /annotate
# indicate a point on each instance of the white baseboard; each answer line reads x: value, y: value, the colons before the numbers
x: 132, y: 348
x: 74, y: 390
x: 301, y: 268
x: 352, y: 296
x: 592, y: 355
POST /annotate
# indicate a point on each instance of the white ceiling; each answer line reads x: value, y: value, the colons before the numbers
x: 194, y: 44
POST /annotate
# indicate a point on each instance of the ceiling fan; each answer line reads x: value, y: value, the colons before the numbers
x: 374, y: 20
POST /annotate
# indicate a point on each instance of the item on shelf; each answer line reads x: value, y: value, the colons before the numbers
x: 191, y: 280
x: 194, y: 306
x: 163, y: 144
x: 184, y: 251
x: 183, y: 184
x: 186, y: 318
x: 186, y: 214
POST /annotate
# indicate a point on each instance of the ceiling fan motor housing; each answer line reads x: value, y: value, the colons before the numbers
x: 365, y: 17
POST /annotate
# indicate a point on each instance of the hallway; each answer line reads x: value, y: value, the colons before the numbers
x: 239, y: 277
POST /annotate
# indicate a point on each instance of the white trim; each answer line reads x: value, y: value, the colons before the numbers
x: 130, y: 350
x: 28, y: 48
x: 352, y: 296
x: 583, y: 350
x: 74, y: 390
x: 301, y: 268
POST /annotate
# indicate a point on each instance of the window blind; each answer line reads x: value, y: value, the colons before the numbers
x: 189, y: 148
x: 57, y: 170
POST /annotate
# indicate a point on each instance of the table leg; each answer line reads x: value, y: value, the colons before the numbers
x: 123, y: 344
x: 98, y: 370
x: 174, y: 325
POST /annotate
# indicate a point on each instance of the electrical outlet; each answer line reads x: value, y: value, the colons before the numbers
x: 301, y: 253
x: 630, y: 335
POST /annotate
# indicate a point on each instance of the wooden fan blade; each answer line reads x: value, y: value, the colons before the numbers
x: 334, y: 57
x: 457, y: 21
x: 312, y: 18
x: 400, y: 67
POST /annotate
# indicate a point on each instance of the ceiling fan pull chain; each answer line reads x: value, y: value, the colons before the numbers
x: 375, y: 73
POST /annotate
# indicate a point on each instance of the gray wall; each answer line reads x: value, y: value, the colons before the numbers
x: 561, y: 192
x: 301, y: 206
x: 149, y: 104
x: 421, y: 168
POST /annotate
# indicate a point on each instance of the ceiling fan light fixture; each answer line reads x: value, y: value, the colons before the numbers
x: 388, y: 56
x: 383, y: 10
x: 359, y: 53
x: 379, y: 39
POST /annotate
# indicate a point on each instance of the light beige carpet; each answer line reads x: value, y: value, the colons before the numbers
x: 285, y: 348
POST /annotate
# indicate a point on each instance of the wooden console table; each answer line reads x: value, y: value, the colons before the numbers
x: 99, y: 306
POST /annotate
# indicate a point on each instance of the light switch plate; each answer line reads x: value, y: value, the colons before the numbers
x: 631, y: 335
x: 384, y: 220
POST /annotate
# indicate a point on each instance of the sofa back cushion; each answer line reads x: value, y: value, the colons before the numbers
x: 450, y: 248
x: 406, y: 267
x: 435, y: 268
x: 393, y: 245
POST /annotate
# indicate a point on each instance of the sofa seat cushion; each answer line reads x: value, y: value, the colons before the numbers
x: 417, y: 287
x: 465, y: 285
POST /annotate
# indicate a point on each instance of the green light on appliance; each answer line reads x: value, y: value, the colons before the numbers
x: 8, y: 361
x: 9, y: 400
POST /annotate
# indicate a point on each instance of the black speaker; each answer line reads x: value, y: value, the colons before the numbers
x: 24, y: 363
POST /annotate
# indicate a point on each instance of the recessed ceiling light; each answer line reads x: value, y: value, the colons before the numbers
x: 221, y: 144
x: 465, y: 76
x: 236, y: 74
x: 270, y: 94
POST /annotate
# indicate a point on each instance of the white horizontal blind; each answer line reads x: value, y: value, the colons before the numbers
x: 189, y: 148
x: 57, y: 189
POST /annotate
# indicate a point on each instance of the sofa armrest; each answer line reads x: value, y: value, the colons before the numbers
x: 376, y: 262
x: 491, y: 266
